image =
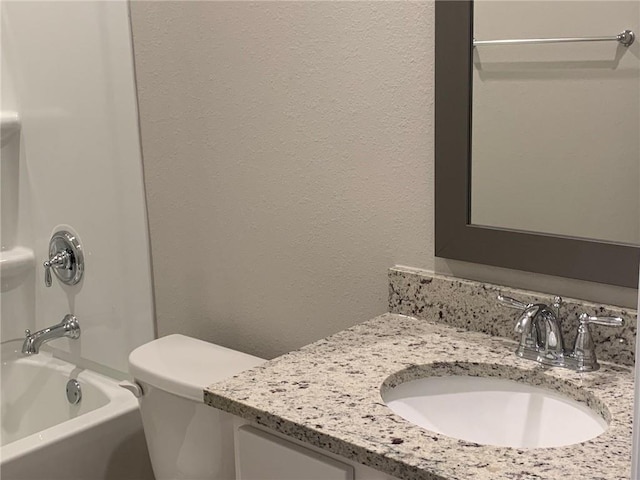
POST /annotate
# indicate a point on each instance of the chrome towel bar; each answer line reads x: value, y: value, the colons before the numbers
x: 625, y: 38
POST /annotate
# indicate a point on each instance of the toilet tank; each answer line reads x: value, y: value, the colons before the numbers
x: 186, y: 438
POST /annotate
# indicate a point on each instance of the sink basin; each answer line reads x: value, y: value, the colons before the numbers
x: 494, y: 411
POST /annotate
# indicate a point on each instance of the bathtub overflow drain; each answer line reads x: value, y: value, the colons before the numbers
x: 74, y: 393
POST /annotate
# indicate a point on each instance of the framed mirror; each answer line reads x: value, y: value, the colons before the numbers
x: 472, y: 229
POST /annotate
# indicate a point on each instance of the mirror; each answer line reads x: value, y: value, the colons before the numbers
x: 555, y: 126
x: 505, y: 231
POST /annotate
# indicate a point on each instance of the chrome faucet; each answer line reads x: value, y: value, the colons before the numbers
x: 539, y: 328
x: 69, y: 327
x: 541, y: 337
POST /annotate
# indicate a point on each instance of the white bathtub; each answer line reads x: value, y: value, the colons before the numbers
x: 44, y: 437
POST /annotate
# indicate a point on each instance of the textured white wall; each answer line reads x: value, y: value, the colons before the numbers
x: 288, y: 160
x: 288, y: 152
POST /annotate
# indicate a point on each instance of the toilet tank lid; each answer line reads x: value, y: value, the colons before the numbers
x: 184, y: 366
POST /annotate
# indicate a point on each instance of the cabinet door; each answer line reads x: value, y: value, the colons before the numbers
x: 262, y: 456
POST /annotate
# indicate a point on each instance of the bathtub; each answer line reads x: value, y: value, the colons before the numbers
x: 43, y: 436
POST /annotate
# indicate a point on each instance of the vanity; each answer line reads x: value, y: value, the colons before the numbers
x: 333, y: 403
x: 329, y: 396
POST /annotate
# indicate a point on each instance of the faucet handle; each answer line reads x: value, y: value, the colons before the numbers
x: 66, y: 259
x: 59, y: 260
x: 586, y: 319
x: 512, y: 302
x: 584, y: 353
x: 523, y: 324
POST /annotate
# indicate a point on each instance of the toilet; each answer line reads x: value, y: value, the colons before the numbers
x: 186, y: 438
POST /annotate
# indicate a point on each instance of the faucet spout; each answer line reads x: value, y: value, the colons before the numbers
x: 528, y: 330
x: 69, y: 327
x: 539, y: 328
x: 551, y: 342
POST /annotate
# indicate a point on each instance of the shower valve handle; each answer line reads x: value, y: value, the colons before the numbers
x: 66, y: 259
x: 59, y: 260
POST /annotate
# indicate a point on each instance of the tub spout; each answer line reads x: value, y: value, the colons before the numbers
x: 69, y: 327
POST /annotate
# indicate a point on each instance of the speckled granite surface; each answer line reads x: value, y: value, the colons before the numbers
x: 473, y: 306
x: 327, y: 394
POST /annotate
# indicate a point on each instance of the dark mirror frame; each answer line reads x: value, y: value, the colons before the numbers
x: 456, y: 237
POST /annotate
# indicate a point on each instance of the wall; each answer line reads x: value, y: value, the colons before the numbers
x: 288, y: 155
x: 68, y: 72
x: 275, y: 136
x: 535, y: 108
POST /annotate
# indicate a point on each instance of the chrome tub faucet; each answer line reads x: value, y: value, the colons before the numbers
x: 69, y: 327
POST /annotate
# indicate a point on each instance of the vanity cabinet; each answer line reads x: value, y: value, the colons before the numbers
x: 262, y: 454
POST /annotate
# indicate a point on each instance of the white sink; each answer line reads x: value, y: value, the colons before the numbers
x: 494, y: 411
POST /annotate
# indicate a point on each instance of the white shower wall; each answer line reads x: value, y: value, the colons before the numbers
x: 68, y: 72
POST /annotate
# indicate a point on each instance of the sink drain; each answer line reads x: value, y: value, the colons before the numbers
x: 74, y: 392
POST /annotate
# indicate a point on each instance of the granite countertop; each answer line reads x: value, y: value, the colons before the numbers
x: 327, y: 394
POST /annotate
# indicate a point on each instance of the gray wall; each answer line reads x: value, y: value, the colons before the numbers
x: 288, y: 151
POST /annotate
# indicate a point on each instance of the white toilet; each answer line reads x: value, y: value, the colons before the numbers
x: 186, y: 438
